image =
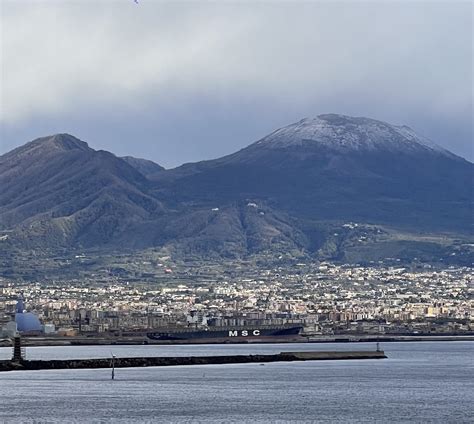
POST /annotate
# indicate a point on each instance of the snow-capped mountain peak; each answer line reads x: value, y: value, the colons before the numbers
x: 346, y: 133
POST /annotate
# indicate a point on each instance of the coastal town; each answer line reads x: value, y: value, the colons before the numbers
x: 325, y: 298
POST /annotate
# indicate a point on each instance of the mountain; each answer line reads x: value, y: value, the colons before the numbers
x: 331, y: 187
x: 56, y: 190
x: 146, y: 167
x: 335, y: 168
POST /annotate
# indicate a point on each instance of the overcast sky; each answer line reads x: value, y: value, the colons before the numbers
x: 184, y: 81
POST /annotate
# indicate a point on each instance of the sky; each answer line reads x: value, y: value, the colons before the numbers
x: 183, y: 81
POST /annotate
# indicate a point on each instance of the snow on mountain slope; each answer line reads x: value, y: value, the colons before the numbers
x: 345, y: 133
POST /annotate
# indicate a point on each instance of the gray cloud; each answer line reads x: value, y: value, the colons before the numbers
x: 185, y: 81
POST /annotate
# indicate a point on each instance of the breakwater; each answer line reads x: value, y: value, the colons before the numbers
x: 187, y: 360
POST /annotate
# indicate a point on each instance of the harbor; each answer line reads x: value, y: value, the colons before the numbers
x: 20, y: 360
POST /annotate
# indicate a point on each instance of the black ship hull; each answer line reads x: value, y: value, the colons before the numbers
x: 226, y: 334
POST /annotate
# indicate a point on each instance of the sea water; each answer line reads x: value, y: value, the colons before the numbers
x: 420, y: 382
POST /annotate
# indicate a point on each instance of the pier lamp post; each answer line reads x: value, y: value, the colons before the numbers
x: 113, y: 367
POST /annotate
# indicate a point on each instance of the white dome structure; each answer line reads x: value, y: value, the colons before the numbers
x: 26, y: 321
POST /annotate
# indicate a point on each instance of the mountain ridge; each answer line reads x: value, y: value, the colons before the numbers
x: 146, y: 167
x: 290, y: 191
x: 306, y: 178
x: 60, y: 188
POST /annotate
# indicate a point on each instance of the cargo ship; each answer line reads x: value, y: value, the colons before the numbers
x: 240, y: 333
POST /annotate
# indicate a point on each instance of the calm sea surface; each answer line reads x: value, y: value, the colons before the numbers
x: 420, y: 382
